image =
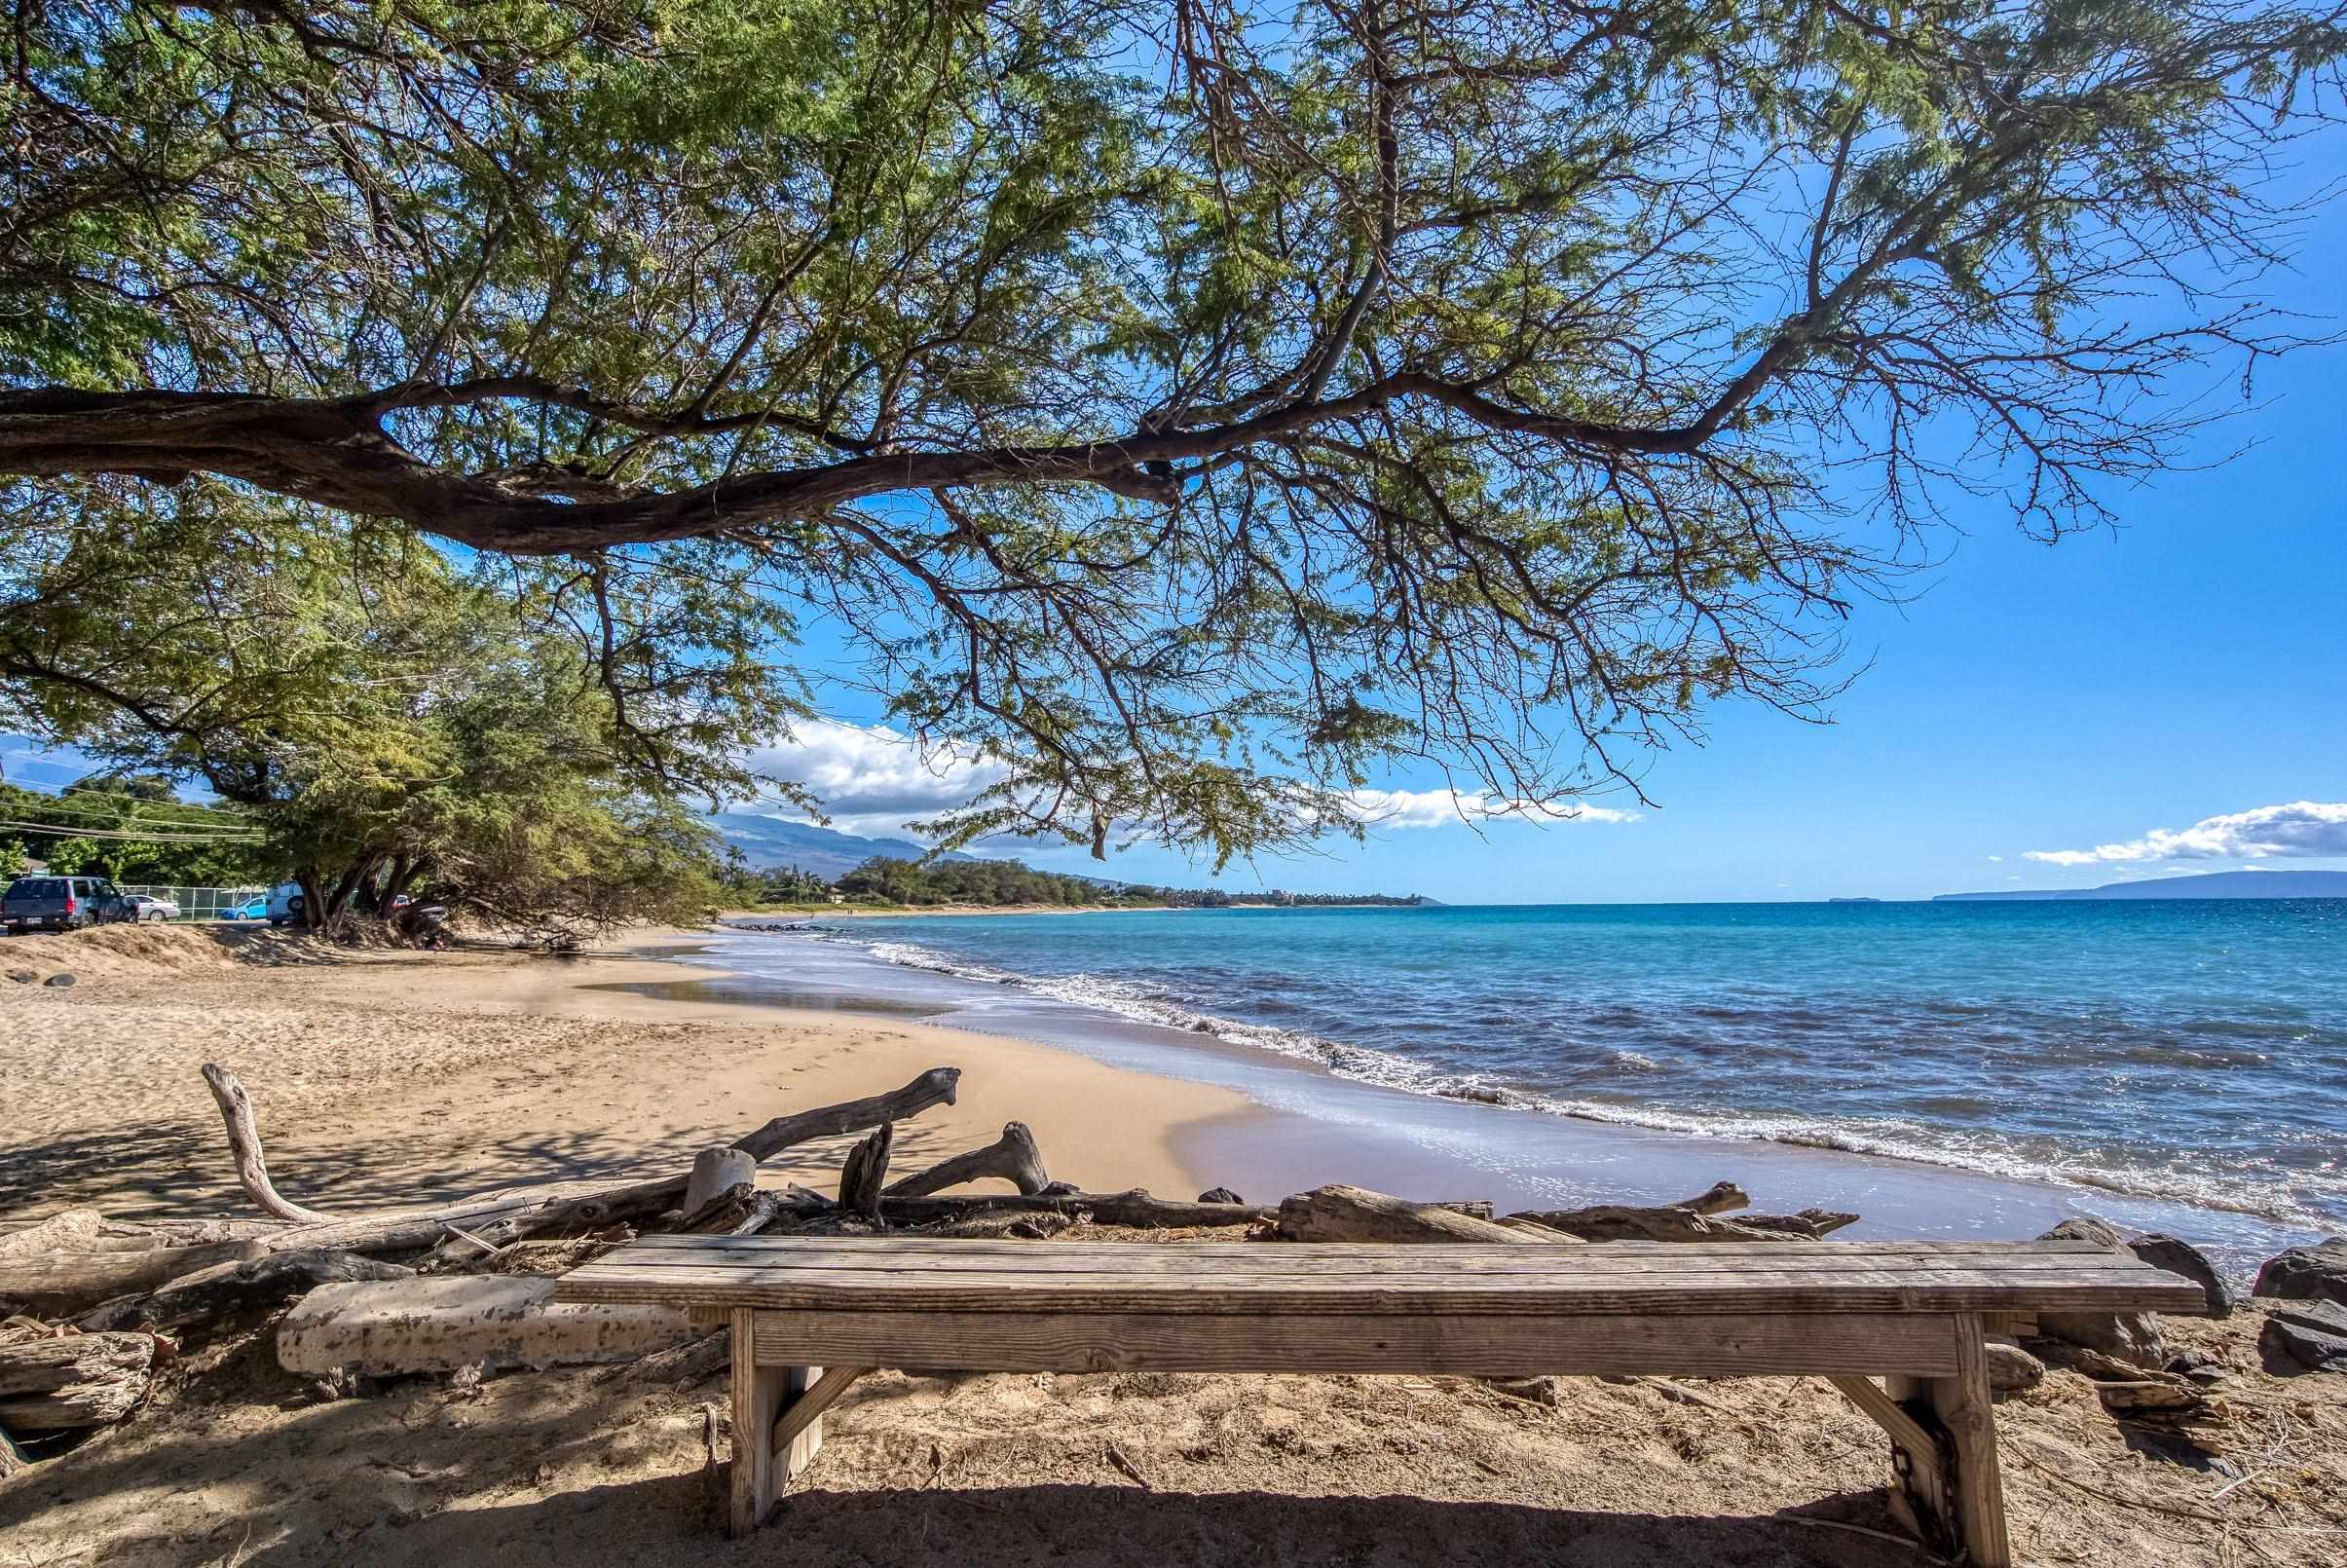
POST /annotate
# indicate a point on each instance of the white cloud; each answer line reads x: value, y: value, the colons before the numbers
x: 2000, y: 859
x: 874, y: 779
x: 1442, y: 809
x: 2301, y: 830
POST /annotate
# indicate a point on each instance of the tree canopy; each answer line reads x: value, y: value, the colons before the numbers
x: 1193, y: 405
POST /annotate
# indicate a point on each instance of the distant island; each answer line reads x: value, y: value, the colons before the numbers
x: 2216, y: 885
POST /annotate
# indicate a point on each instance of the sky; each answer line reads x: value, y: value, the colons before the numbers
x: 2165, y: 697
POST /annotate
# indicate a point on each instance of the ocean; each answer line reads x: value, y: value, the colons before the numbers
x: 2189, y: 1055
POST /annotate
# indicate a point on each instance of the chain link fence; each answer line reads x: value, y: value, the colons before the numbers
x: 198, y: 903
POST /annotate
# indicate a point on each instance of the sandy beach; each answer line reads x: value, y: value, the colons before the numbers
x: 386, y: 1079
x: 401, y: 1077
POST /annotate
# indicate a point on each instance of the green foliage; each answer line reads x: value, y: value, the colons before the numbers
x: 520, y: 741
x: 1193, y: 409
x: 999, y: 883
x: 191, y: 844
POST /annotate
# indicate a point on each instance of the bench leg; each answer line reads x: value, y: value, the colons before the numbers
x: 1963, y: 1404
x: 758, y: 1395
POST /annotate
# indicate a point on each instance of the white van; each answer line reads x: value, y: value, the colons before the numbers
x: 286, y: 903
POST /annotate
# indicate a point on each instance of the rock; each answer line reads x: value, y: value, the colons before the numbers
x: 1219, y: 1195
x: 2132, y: 1337
x: 2317, y: 1273
x: 2086, y: 1228
x: 2183, y: 1258
x: 438, y: 1323
x: 23, y: 977
x: 2314, y: 1337
x: 60, y: 981
x: 2012, y: 1369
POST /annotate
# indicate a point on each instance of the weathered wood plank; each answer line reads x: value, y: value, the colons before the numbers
x: 1790, y: 1249
x: 759, y: 1392
x: 955, y: 1291
x: 801, y: 1416
x: 1963, y: 1406
x: 1512, y: 1346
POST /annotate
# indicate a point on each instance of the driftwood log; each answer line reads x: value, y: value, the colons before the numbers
x: 1014, y: 1157
x: 1134, y: 1208
x: 1691, y: 1219
x: 864, y: 1171
x: 1342, y: 1214
x: 264, y: 1281
x: 244, y: 1145
x: 74, y: 1381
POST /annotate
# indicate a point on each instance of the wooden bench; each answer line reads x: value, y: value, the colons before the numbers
x: 1910, y: 1313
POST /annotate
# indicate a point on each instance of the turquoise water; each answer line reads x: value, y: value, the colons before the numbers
x: 2193, y: 1052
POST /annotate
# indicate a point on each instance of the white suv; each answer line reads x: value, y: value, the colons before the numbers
x: 286, y: 903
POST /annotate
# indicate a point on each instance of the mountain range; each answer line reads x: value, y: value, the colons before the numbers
x: 770, y: 842
x: 2214, y: 884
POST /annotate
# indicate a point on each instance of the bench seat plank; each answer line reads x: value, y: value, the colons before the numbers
x: 916, y: 1275
x: 1476, y: 1345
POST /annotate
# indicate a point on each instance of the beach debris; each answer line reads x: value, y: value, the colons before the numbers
x: 2166, y: 1405
x: 2130, y: 1337
x: 23, y: 977
x: 743, y: 1210
x: 1690, y: 1219
x: 443, y: 1323
x: 1535, y: 1230
x: 715, y: 1171
x: 1219, y: 1195
x: 56, y: 1379
x: 2011, y: 1369
x: 61, y: 981
x: 65, y: 1280
x: 227, y: 1287
x: 1134, y: 1208
x: 2317, y: 1273
x: 2182, y: 1257
x: 244, y: 1145
x: 1014, y: 1157
x: 2313, y: 1337
x: 865, y: 1168
x: 1342, y: 1214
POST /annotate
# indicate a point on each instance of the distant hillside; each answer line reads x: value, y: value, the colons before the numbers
x: 2216, y: 885
x: 771, y: 842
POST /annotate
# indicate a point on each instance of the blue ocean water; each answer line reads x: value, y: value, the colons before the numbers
x: 2191, y: 1050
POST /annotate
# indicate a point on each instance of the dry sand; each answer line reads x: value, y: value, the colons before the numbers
x: 389, y: 1078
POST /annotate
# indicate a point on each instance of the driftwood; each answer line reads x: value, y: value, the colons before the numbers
x: 236, y: 1286
x: 1342, y: 1214
x: 71, y: 1382
x: 1014, y: 1157
x: 59, y: 1283
x: 1136, y: 1209
x: 863, y: 1172
x: 63, y: 1283
x: 244, y: 1145
x: 1691, y: 1219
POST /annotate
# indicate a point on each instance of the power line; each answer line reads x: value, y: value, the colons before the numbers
x: 117, y: 817
x: 54, y: 831
x: 68, y: 791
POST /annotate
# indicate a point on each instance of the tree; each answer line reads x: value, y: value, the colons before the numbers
x: 132, y: 828
x: 1192, y: 406
x: 520, y: 740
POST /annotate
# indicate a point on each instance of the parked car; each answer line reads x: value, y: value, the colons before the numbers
x: 286, y: 903
x: 137, y: 907
x: 57, y: 903
x: 256, y: 908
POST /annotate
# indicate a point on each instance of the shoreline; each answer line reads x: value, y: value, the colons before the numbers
x: 1303, y: 1125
